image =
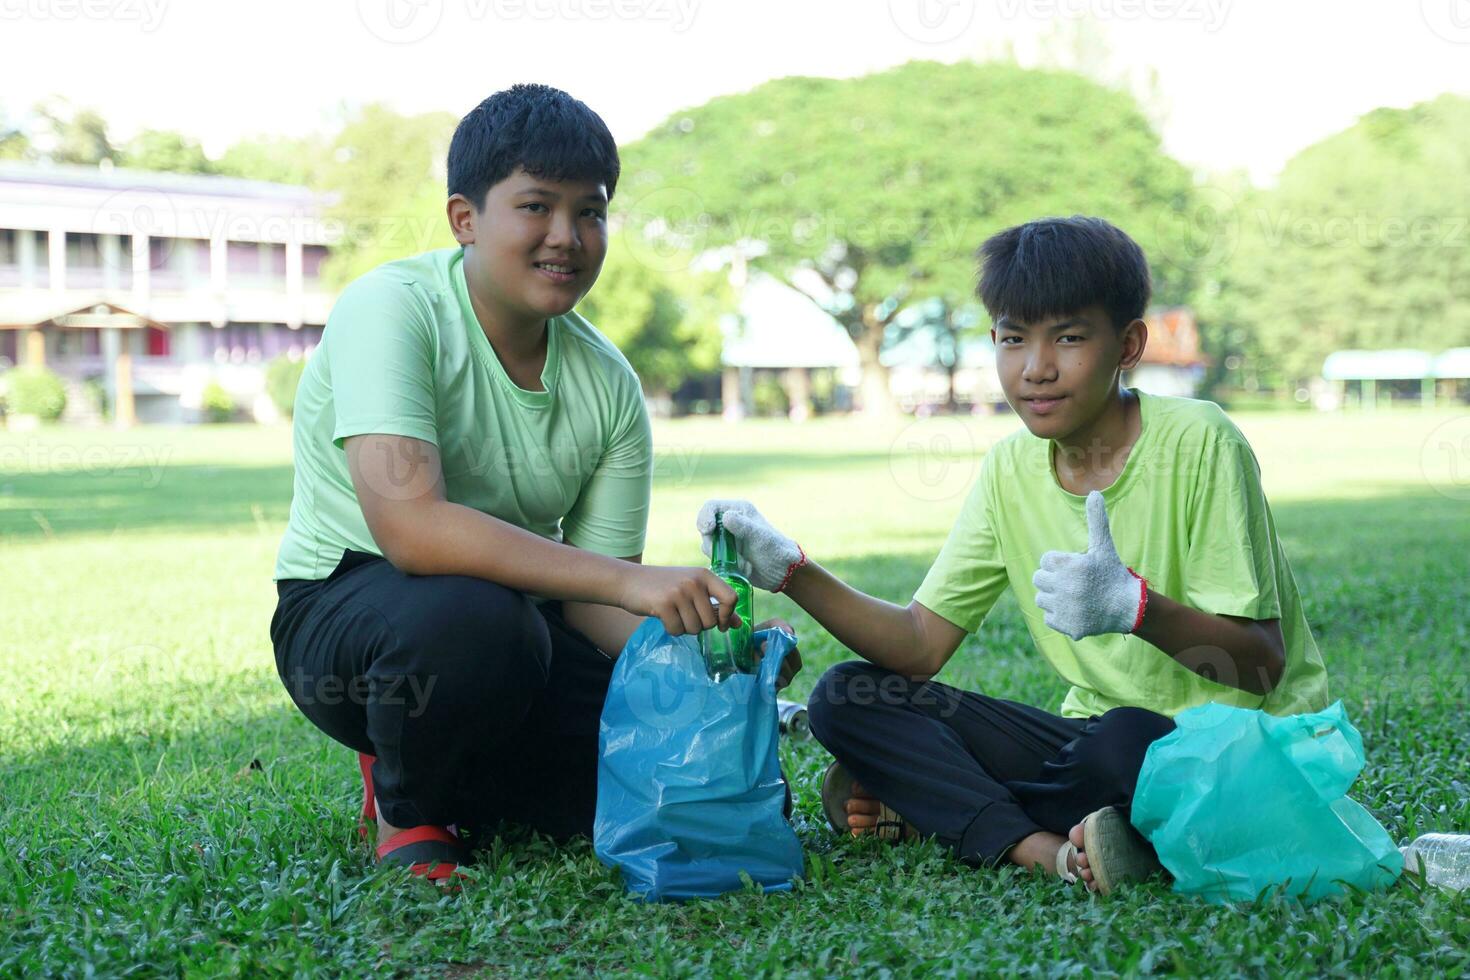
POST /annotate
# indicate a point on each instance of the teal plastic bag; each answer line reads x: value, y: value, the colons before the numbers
x: 1236, y: 800
x: 689, y: 788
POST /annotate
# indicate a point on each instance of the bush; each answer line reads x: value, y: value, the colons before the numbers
x: 35, y: 391
x: 96, y: 392
x: 218, y: 404
x: 768, y: 397
x: 282, y: 377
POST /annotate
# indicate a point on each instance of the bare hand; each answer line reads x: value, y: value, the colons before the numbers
x: 792, y: 666
x: 680, y: 598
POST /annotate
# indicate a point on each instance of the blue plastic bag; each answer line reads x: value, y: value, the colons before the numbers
x: 1236, y: 800
x: 689, y: 787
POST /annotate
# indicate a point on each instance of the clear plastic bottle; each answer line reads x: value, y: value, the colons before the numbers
x: 1443, y: 859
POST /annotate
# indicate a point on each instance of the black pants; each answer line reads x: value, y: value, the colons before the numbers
x: 478, y: 704
x: 976, y: 772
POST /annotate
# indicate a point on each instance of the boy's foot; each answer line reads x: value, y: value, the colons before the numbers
x: 430, y: 852
x: 427, y: 852
x: 1105, y: 850
x: 850, y: 809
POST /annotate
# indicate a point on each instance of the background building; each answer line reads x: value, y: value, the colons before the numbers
x: 144, y: 287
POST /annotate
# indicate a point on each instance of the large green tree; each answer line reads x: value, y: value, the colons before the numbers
x: 165, y: 149
x: 883, y: 186
x: 388, y: 173
x: 73, y: 135
x: 1363, y: 243
x: 15, y: 143
x: 301, y: 160
x: 665, y: 323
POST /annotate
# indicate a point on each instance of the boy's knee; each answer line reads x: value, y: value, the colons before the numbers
x: 1138, y: 726
x: 1115, y: 750
x: 473, y: 643
x: 841, y: 694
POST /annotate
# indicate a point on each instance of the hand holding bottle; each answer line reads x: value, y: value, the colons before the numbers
x: 767, y: 557
x: 685, y: 600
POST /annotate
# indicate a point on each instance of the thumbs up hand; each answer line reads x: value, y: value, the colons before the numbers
x: 1093, y: 592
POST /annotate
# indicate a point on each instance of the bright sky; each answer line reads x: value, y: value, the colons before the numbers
x: 1246, y: 83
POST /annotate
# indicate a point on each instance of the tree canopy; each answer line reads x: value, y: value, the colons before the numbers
x: 1363, y: 243
x: 664, y: 323
x: 884, y: 185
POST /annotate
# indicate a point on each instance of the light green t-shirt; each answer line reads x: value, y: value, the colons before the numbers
x: 403, y: 354
x: 1187, y: 513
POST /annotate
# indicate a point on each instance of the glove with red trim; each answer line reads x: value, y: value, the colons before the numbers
x: 1093, y: 592
x: 767, y: 557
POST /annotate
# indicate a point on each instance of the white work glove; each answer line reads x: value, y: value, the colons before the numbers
x: 1094, y: 592
x: 767, y: 557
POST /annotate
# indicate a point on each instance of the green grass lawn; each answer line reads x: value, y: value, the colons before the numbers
x: 163, y: 808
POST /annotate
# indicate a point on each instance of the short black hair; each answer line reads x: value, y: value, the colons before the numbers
x: 537, y: 127
x: 1055, y: 266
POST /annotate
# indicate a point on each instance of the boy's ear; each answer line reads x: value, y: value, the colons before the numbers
x: 1135, y: 339
x: 462, y: 216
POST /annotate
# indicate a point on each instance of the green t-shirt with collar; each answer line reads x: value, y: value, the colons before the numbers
x: 1187, y: 513
x: 403, y: 354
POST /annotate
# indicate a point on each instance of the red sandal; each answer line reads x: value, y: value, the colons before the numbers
x: 430, y: 852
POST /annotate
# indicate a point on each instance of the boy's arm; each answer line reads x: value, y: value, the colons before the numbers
x: 400, y: 488
x: 1247, y: 654
x: 608, y: 627
x: 909, y: 640
x: 1093, y: 592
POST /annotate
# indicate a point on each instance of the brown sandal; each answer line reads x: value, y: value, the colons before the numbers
x: 1116, y: 852
x: 837, y: 785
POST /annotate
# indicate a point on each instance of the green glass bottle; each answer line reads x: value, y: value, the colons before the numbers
x: 729, y: 652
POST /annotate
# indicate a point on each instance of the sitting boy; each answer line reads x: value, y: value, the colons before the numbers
x: 1133, y: 531
x: 473, y: 468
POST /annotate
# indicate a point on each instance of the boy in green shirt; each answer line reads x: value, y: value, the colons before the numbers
x: 1133, y: 531
x: 472, y: 474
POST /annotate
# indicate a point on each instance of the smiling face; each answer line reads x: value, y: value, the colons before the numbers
x: 536, y: 247
x: 1059, y: 373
